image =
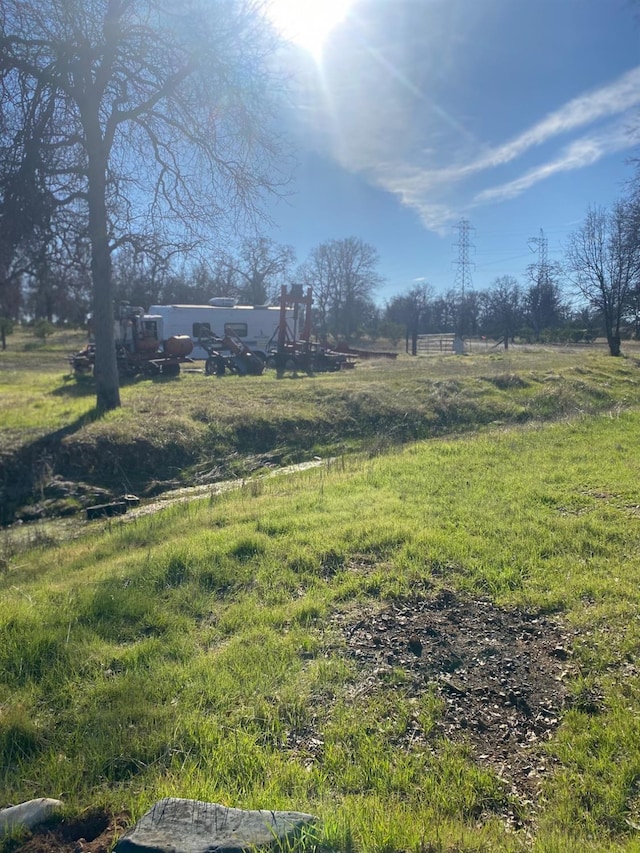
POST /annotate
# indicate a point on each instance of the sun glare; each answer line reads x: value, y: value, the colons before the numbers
x: 307, y: 23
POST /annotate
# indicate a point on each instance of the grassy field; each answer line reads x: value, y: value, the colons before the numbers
x: 197, y: 429
x: 208, y: 650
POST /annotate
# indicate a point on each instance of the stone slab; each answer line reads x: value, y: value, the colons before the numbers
x: 175, y: 825
x: 27, y: 814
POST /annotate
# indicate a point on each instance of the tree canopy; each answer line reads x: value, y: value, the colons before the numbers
x: 156, y: 120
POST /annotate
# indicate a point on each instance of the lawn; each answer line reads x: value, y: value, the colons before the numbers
x: 430, y: 640
x: 316, y: 641
x: 197, y: 429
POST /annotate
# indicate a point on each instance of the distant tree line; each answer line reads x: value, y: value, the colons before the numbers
x: 343, y: 274
x: 504, y: 311
x: 594, y: 292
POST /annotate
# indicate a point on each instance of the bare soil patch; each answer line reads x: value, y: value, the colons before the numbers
x: 93, y: 832
x: 501, y: 674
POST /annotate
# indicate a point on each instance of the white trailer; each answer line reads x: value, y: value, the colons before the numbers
x: 256, y: 326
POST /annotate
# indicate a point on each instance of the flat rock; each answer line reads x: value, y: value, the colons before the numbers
x: 27, y: 814
x: 188, y: 826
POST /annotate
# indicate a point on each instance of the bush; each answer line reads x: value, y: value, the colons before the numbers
x: 42, y: 329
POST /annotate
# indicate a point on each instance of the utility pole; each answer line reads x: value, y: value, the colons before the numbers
x: 463, y: 282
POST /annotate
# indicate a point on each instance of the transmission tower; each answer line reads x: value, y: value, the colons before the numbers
x: 463, y: 281
x: 541, y: 244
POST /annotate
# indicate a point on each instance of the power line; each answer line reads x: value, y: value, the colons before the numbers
x: 500, y: 261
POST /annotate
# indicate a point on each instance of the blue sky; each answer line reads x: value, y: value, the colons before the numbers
x: 513, y: 114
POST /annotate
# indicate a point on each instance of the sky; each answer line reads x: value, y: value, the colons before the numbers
x: 413, y: 115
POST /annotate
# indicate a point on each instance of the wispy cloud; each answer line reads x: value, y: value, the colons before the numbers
x: 438, y: 193
x: 611, y: 100
x: 579, y: 154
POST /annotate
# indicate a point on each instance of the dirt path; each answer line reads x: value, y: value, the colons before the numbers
x: 23, y: 535
x: 191, y: 493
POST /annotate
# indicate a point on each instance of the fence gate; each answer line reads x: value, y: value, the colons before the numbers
x: 440, y: 345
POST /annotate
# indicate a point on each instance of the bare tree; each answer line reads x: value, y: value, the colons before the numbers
x: 225, y: 281
x: 159, y: 119
x: 411, y: 309
x: 6, y: 328
x: 543, y: 305
x: 603, y: 258
x: 202, y: 283
x: 445, y: 312
x: 26, y: 206
x: 344, y: 275
x: 503, y: 309
x: 261, y: 267
x: 144, y: 273
x: 318, y: 273
x: 468, y: 309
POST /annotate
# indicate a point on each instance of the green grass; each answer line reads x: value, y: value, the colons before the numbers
x: 196, y: 652
x: 196, y: 429
x: 35, y: 396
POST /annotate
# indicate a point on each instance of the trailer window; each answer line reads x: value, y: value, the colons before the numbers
x: 201, y: 330
x: 238, y: 329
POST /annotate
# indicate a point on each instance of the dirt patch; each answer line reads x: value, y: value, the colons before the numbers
x: 94, y: 832
x: 501, y: 675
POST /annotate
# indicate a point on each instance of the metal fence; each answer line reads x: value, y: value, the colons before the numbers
x: 440, y: 345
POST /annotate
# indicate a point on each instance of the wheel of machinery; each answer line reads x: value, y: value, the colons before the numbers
x: 214, y: 366
x: 171, y: 369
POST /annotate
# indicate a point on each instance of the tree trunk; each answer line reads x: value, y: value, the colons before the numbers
x: 106, y: 368
x: 614, y: 344
x: 612, y: 330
